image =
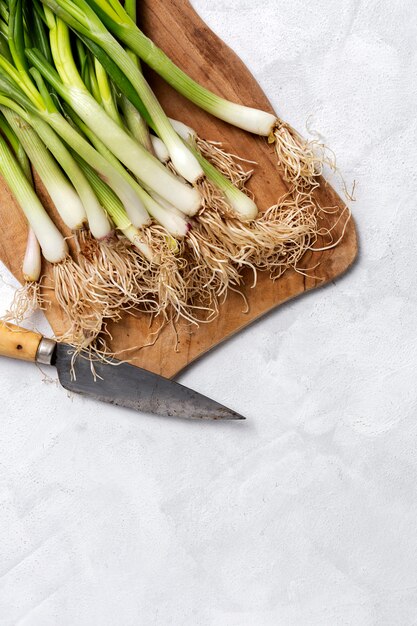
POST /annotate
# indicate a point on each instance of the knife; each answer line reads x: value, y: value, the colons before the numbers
x: 116, y: 383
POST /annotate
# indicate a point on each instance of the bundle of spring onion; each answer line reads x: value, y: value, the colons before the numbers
x: 160, y: 218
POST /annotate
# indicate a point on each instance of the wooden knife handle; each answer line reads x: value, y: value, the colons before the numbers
x: 19, y: 343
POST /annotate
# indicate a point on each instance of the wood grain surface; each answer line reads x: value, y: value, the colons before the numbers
x: 179, y: 31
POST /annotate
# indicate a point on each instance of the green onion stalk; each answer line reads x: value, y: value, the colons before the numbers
x: 231, y: 165
x: 301, y: 160
x: 230, y: 198
x: 164, y: 222
x: 174, y: 221
x: 111, y: 56
x: 148, y: 169
x: 28, y: 297
x: 80, y: 17
x: 80, y: 295
x: 62, y: 193
x: 84, y: 318
x: 159, y: 148
x: 71, y: 88
x: 52, y: 242
x: 165, y: 283
x: 137, y: 125
x: 28, y: 90
x: 102, y: 259
x: 162, y: 282
x: 106, y: 94
x: 135, y: 122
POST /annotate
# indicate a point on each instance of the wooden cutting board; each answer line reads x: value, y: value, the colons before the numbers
x: 177, y: 29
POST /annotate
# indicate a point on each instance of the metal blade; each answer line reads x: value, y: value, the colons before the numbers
x: 134, y: 388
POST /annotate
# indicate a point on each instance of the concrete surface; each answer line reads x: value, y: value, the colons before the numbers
x: 305, y: 515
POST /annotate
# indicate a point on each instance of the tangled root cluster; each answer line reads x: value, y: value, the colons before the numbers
x: 27, y: 299
x: 171, y: 279
x: 230, y: 165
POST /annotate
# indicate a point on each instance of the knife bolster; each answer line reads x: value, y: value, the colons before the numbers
x: 46, y: 351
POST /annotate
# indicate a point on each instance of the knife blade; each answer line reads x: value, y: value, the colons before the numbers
x: 117, y: 383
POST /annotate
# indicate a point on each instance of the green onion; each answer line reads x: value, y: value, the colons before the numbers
x: 172, y: 219
x: 115, y: 209
x: 141, y: 132
x: 136, y: 124
x: 301, y: 160
x: 141, y: 163
x: 52, y: 243
x: 185, y: 132
x: 160, y: 149
x: 242, y: 205
x: 74, y: 103
x: 58, y: 187
x: 17, y: 148
x: 125, y: 29
x: 62, y: 193
x: 83, y: 19
x: 14, y: 98
x: 32, y: 262
x: 106, y: 93
x: 17, y: 88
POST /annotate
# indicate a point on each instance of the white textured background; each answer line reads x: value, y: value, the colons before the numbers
x: 307, y: 513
